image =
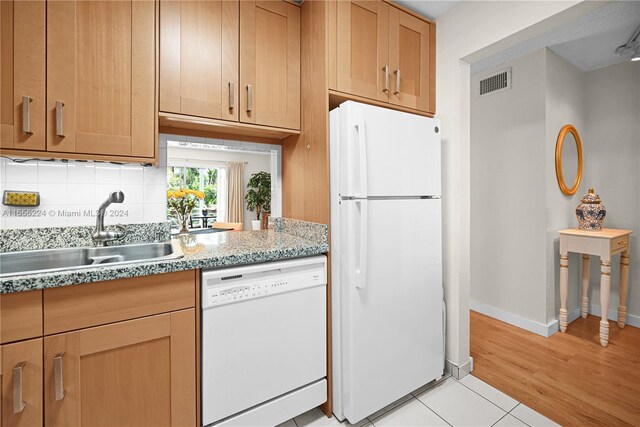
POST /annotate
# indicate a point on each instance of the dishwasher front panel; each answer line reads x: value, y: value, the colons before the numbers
x: 265, y: 344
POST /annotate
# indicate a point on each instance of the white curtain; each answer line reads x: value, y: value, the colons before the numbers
x: 222, y: 195
x: 235, y: 192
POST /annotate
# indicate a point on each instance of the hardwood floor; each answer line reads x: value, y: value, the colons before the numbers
x: 568, y: 377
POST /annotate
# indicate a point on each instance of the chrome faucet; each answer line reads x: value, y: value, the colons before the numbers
x: 100, y: 236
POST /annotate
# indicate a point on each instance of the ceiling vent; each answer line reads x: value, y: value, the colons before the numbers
x: 497, y: 82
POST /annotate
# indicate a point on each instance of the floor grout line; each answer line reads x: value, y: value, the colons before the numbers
x: 499, y: 419
x: 510, y: 413
x: 487, y: 399
x: 437, y: 415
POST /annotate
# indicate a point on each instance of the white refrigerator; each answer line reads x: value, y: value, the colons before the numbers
x: 386, y: 257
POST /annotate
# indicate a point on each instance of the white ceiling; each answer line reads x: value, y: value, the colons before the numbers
x: 430, y: 9
x: 588, y: 42
x: 598, y: 50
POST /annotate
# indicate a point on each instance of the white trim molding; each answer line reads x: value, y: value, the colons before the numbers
x: 458, y: 372
x: 546, y: 330
x: 594, y: 310
x: 540, y: 328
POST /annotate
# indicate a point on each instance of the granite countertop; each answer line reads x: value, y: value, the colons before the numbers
x: 289, y: 239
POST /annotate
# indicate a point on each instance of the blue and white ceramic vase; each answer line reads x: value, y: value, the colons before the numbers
x: 591, y: 212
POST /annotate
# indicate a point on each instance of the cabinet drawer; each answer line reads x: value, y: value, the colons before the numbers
x: 74, y: 307
x: 20, y: 316
x: 21, y: 381
x: 619, y: 243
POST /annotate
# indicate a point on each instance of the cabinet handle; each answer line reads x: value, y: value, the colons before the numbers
x: 26, y: 115
x: 249, y: 98
x: 232, y: 94
x: 59, y: 105
x: 18, y: 404
x: 397, y: 73
x: 386, y: 78
x: 57, y: 375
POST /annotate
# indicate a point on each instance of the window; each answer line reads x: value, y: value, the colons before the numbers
x: 201, y: 179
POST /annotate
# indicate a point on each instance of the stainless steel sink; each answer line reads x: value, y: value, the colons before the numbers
x: 47, y: 260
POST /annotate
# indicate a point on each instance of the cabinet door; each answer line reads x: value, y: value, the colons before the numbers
x: 199, y: 58
x: 22, y: 74
x: 270, y: 63
x: 101, y: 77
x: 410, y: 61
x: 135, y: 373
x: 22, y: 383
x: 363, y: 48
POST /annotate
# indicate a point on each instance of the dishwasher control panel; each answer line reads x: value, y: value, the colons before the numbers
x: 243, y: 292
x: 221, y: 287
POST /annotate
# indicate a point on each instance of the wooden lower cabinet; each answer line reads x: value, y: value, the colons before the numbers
x: 133, y: 373
x: 20, y: 316
x: 21, y: 390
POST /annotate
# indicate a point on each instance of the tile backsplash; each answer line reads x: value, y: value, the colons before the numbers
x: 70, y: 193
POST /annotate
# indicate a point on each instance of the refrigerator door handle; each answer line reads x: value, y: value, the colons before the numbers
x: 361, y: 272
x: 362, y: 151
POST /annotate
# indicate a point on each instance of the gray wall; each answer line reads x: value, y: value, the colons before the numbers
x: 566, y: 103
x: 613, y: 166
x: 516, y: 205
x: 508, y: 207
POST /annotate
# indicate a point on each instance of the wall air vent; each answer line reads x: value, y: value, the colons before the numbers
x: 495, y: 83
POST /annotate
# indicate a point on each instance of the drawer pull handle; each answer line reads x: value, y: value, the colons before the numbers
x: 18, y: 403
x: 59, y: 131
x: 622, y: 242
x: 386, y: 78
x: 249, y: 98
x: 397, y: 73
x: 57, y: 374
x: 26, y: 115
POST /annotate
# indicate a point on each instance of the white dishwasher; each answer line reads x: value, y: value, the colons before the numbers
x: 263, y: 342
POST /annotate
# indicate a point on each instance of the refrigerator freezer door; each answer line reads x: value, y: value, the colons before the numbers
x: 383, y: 152
x: 390, y: 337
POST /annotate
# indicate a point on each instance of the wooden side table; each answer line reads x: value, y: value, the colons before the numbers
x: 604, y: 244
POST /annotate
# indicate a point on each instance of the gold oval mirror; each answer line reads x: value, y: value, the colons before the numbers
x: 569, y: 159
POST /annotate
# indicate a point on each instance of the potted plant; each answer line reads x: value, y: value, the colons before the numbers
x: 181, y: 202
x: 258, y: 196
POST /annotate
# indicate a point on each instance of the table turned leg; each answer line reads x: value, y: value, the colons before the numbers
x: 584, y: 307
x: 605, y: 290
x: 624, y: 283
x: 564, y: 284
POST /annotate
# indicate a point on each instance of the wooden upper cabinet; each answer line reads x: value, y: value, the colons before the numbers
x: 363, y: 48
x: 21, y: 373
x: 382, y: 52
x: 134, y: 373
x: 101, y: 77
x: 199, y: 58
x: 410, y: 61
x: 22, y: 75
x: 270, y: 63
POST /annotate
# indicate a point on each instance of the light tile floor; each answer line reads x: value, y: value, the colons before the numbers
x: 466, y: 402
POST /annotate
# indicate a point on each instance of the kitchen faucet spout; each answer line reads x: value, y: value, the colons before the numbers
x: 100, y: 236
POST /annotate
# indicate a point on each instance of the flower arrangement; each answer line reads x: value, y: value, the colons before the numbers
x: 181, y: 202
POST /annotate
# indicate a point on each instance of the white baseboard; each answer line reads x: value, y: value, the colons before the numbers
x: 546, y: 330
x: 458, y: 372
x: 632, y: 319
x: 551, y: 327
